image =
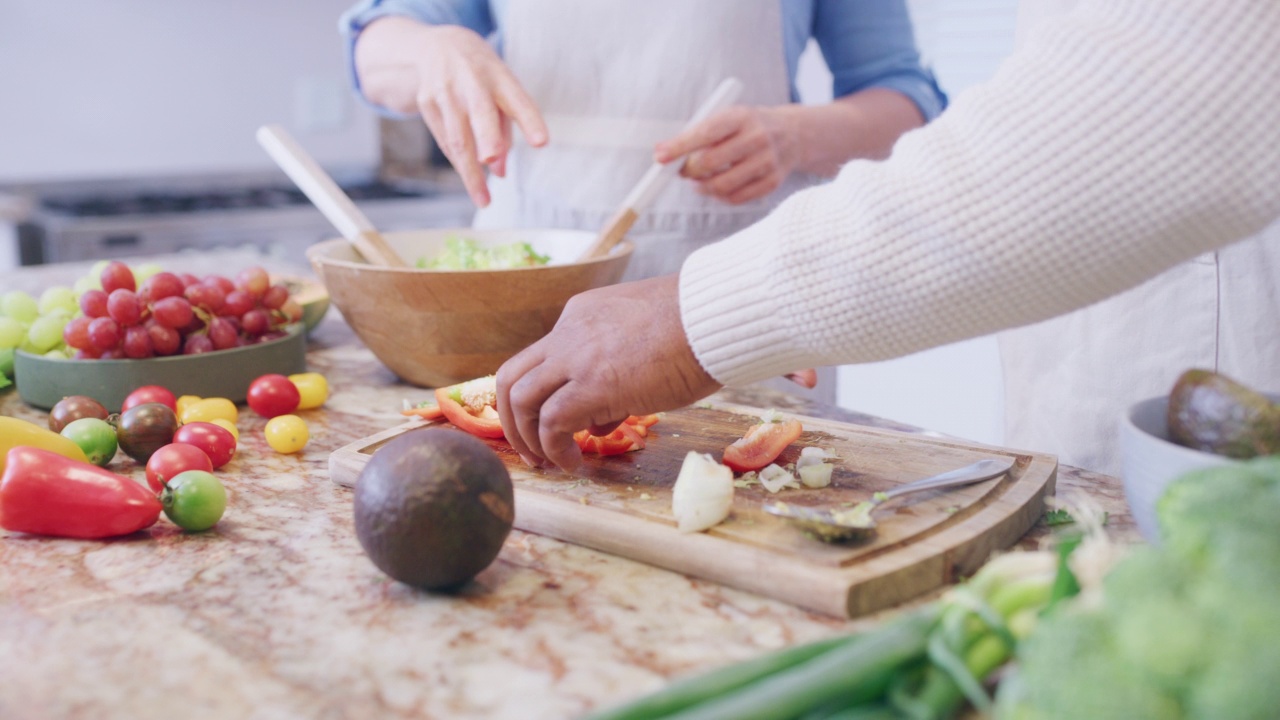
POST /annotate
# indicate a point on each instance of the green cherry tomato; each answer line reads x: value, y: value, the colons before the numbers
x: 194, y: 500
x: 97, y: 438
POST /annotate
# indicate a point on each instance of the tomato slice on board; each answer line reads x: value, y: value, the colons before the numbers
x: 643, y: 420
x: 762, y: 444
x: 484, y: 423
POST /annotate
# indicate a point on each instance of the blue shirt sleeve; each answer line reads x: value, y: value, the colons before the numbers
x: 870, y: 43
x: 473, y: 14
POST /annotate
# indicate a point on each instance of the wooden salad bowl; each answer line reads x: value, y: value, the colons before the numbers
x: 440, y: 327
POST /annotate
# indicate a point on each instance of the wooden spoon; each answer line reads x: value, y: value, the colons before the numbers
x: 656, y: 178
x: 316, y: 184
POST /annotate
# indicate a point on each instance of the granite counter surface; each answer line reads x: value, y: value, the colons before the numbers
x: 277, y: 613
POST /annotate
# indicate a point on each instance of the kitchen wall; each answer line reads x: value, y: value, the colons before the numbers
x: 92, y: 89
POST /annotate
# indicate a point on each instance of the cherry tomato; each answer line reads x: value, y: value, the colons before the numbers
x: 184, y: 402
x: 762, y: 444
x: 145, y: 428
x: 229, y: 427
x: 172, y: 459
x: 194, y: 500
x: 74, y: 407
x: 150, y: 394
x: 312, y: 387
x: 216, y: 442
x: 287, y: 434
x: 208, y: 410
x: 95, y: 437
x: 273, y: 395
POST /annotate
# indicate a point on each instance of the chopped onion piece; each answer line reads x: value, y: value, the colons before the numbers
x: 772, y: 416
x: 814, y: 455
x: 774, y: 478
x: 816, y: 476
x: 703, y: 493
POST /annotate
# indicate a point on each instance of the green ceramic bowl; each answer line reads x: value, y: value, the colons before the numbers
x: 43, y: 381
x: 310, y: 294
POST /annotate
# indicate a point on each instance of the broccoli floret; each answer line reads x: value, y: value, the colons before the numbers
x: 1185, y: 630
x: 1070, y: 668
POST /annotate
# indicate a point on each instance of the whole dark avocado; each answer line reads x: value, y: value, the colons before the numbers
x: 1211, y: 412
x: 433, y: 507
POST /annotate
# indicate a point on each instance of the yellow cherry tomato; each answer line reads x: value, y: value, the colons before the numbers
x: 210, y: 409
x: 185, y: 402
x: 287, y: 434
x: 313, y: 388
x: 229, y: 427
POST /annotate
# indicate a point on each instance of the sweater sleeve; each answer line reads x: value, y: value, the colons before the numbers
x: 1120, y: 141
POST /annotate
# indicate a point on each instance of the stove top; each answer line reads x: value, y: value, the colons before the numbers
x: 153, y: 202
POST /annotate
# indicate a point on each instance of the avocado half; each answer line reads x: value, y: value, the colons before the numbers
x: 1211, y: 412
x: 433, y: 508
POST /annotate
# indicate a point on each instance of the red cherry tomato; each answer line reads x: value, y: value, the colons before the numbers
x: 272, y: 395
x: 216, y: 442
x: 172, y: 459
x: 150, y: 394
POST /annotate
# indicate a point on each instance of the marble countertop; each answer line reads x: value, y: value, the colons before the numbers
x: 277, y: 613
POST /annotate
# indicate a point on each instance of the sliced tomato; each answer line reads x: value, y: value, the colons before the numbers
x: 762, y: 444
x: 484, y: 423
x: 643, y: 420
x: 624, y: 439
x: 424, y: 410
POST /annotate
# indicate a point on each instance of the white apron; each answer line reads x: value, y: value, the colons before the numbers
x: 1069, y: 380
x: 613, y: 78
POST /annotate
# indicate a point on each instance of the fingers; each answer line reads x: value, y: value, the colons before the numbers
x: 804, y: 378
x: 499, y: 166
x: 754, y: 190
x: 517, y: 422
x: 516, y: 104
x: 733, y: 150
x: 708, y: 132
x: 452, y: 131
x: 739, y: 177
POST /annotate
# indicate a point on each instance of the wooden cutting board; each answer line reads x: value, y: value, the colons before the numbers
x: 622, y: 505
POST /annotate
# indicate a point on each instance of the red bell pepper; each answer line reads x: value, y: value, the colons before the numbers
x: 762, y: 444
x: 483, y: 423
x: 426, y: 411
x: 627, y: 437
x: 47, y: 494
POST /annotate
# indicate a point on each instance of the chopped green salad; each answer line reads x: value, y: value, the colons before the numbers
x: 462, y: 253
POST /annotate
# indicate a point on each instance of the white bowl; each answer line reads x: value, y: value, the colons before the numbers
x: 1150, y: 461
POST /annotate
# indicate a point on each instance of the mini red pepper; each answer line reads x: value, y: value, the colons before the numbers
x: 47, y: 494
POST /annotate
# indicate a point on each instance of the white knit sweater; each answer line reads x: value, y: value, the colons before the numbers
x: 1124, y: 138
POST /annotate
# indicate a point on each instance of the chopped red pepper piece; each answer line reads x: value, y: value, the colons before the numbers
x: 484, y: 423
x: 47, y: 494
x: 624, y: 439
x: 426, y: 411
x: 762, y: 444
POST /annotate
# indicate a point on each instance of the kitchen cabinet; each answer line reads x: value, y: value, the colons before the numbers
x: 278, y: 613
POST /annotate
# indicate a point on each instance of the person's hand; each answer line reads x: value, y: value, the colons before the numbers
x: 738, y: 154
x: 465, y: 94
x: 804, y: 378
x: 615, y: 351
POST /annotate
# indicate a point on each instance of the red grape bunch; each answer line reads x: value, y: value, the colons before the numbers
x: 177, y: 314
